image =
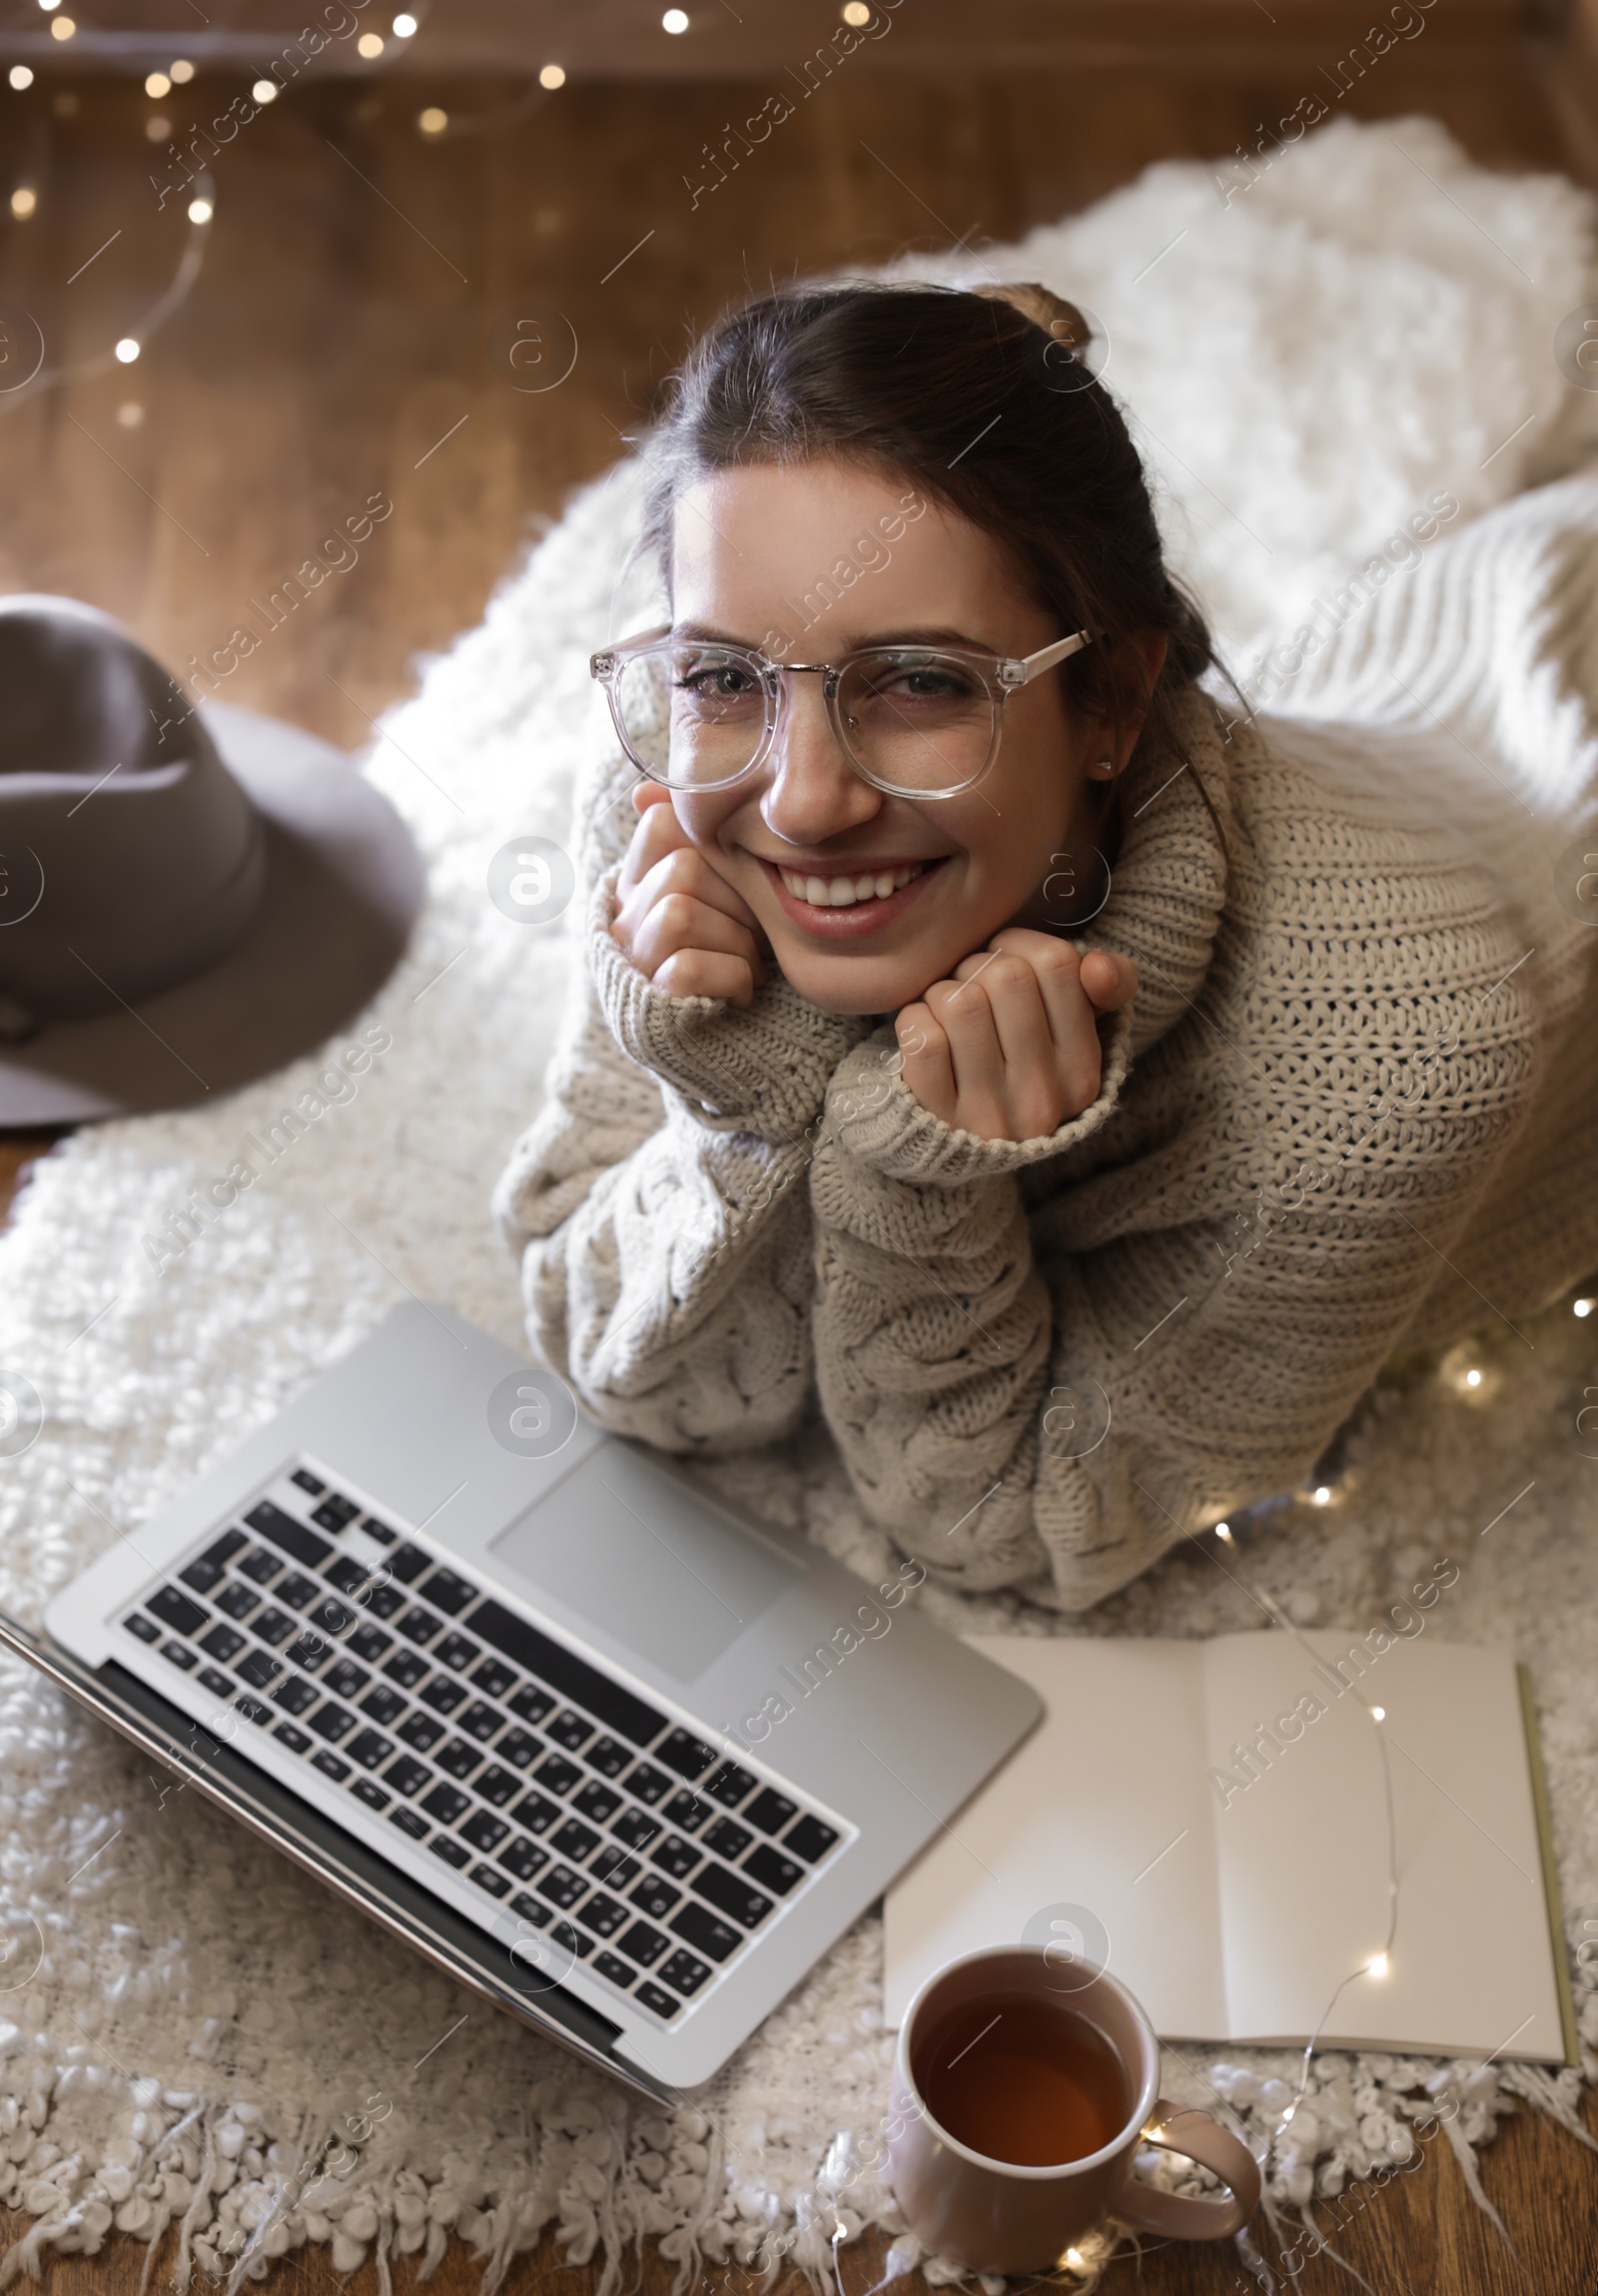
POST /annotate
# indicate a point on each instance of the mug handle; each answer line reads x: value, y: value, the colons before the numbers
x: 1185, y: 2130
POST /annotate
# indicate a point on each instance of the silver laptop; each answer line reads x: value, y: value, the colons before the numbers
x: 528, y: 1697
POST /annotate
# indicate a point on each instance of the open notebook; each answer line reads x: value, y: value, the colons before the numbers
x: 1235, y: 1892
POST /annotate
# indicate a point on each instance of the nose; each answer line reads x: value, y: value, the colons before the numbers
x: 812, y: 790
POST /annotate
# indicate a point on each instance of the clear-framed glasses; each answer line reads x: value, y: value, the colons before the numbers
x: 914, y: 721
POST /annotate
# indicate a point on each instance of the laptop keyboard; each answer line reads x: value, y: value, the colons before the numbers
x: 544, y: 1783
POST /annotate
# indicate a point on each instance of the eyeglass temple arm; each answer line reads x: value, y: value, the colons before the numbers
x: 1033, y: 665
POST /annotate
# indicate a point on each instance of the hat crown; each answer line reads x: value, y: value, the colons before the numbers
x: 78, y: 696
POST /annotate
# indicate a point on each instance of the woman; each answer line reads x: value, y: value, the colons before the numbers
x: 1073, y: 1086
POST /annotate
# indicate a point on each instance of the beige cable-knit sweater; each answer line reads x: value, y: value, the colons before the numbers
x: 1345, y: 1110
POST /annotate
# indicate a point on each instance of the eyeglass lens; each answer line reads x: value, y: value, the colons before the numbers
x: 914, y: 719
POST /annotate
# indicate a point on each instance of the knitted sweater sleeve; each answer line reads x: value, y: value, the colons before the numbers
x: 664, y: 1245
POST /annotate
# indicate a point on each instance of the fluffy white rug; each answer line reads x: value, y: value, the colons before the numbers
x: 190, y: 2032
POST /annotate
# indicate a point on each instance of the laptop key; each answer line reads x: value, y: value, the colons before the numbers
x: 656, y: 1999
x: 531, y: 1910
x: 655, y: 1898
x: 772, y: 1869
x: 408, y: 1563
x: 443, y: 1694
x: 446, y: 1802
x: 522, y: 1857
x: 334, y: 1512
x: 308, y: 1481
x: 383, y: 1601
x: 284, y: 1532
x: 770, y: 1811
x: 178, y: 1611
x: 687, y: 1755
x: 221, y: 1643
x: 498, y: 1785
x: 609, y: 1757
x: 683, y: 1971
x: 562, y: 1887
x: 331, y: 1766
x: 519, y: 1747
x: 572, y: 1730
x: 447, y: 1592
x: 573, y: 1839
x: 634, y: 1828
x: 407, y: 1668
x: 409, y: 1822
x: 616, y: 1971
x: 559, y: 1775
x: 259, y: 1667
x: 484, y: 1831
x: 603, y: 1916
x: 483, y: 1721
x: 379, y: 1531
x: 494, y: 1678
x: 701, y: 1928
x: 728, y: 1839
x: 731, y: 1784
x: 310, y: 1651
x: 458, y: 1651
x: 372, y: 1796
x: 261, y: 1565
x: 418, y: 1625
x: 731, y: 1894
x: 686, y: 1811
x: 643, y: 1944
x: 294, y: 1740
x: 346, y: 1680
x: 369, y: 1748
x: 237, y: 1598
x: 809, y: 1840
x: 145, y: 1629
x: 487, y: 1879
x: 330, y: 1616
x: 296, y: 1590
x: 178, y: 1654
x: 218, y: 1684
x: 332, y: 1721
x: 296, y: 1694
x: 252, y: 1708
x: 452, y: 1853
x: 676, y: 1856
x: 536, y: 1811
x: 346, y: 1573
x: 647, y: 1783
x: 202, y: 1574
x: 369, y: 1642
x: 273, y: 1626
x: 422, y: 1731
x: 614, y: 1867
x: 533, y: 1704
x: 407, y: 1776
x: 596, y: 1802
x: 383, y: 1705
x: 562, y: 1671
x: 565, y: 1935
x: 459, y: 1759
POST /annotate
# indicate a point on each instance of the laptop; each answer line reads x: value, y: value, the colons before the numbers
x: 524, y: 1694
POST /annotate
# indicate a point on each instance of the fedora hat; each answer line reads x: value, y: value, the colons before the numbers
x: 190, y: 895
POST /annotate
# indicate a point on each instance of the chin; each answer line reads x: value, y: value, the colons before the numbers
x: 870, y: 985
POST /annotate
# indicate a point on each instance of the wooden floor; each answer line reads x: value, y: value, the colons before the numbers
x: 338, y: 346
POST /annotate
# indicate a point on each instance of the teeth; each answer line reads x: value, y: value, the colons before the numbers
x: 845, y: 892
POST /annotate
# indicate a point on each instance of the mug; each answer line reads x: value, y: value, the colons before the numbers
x: 1000, y: 2216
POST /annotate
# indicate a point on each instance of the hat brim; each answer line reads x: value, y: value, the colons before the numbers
x: 343, y: 885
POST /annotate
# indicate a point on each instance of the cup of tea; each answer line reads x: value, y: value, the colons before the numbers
x: 1024, y: 2084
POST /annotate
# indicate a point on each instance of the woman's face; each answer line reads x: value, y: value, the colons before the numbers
x: 752, y: 544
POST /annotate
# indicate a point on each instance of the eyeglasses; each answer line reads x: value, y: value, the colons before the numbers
x: 914, y: 721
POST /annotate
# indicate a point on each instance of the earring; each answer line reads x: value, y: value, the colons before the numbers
x: 1103, y: 770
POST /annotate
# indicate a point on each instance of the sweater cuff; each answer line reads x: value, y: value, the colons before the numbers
x: 764, y: 1070
x: 878, y: 1121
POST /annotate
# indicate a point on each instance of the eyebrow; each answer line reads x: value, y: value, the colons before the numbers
x: 706, y: 633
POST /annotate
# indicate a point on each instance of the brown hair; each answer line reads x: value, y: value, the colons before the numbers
x: 987, y: 400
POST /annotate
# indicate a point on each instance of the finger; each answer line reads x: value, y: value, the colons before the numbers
x: 1027, y: 1047
x: 962, y: 1013
x: 647, y: 793
x: 688, y: 870
x: 659, y: 832
x: 706, y: 973
x: 1110, y: 981
x: 680, y: 922
x: 928, y: 1068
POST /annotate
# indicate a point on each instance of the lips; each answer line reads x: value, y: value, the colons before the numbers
x: 857, y: 913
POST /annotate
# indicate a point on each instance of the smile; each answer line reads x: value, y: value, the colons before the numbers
x: 845, y: 892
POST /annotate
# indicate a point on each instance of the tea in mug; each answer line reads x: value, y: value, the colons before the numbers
x: 1023, y: 2078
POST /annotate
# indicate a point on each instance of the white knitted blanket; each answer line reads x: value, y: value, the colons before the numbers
x: 193, y: 2033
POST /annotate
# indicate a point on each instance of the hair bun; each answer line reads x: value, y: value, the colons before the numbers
x: 1059, y: 319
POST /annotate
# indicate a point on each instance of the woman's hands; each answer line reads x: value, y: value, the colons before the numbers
x: 682, y: 925
x: 1009, y: 1049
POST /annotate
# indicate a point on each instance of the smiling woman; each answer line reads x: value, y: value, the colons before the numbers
x: 849, y: 1109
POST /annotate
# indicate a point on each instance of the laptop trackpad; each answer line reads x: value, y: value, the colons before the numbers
x: 632, y: 1550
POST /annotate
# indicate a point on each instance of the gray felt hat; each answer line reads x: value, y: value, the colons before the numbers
x: 189, y: 898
